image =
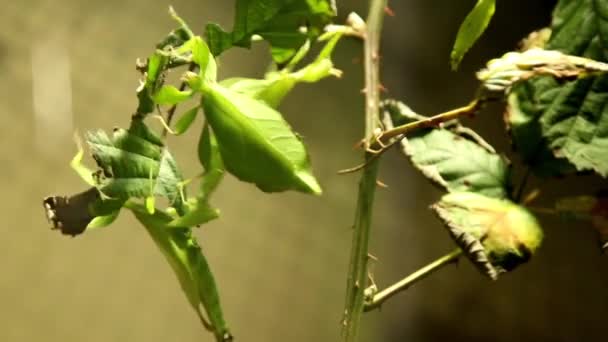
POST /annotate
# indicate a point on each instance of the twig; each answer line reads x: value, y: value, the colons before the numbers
x: 522, y: 185
x: 171, y: 111
x: 405, y: 283
x: 357, y: 274
x: 386, y: 140
x: 432, y: 121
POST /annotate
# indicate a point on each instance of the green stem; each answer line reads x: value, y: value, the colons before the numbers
x: 411, y: 279
x: 357, y: 276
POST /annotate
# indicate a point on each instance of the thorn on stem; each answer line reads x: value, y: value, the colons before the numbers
x: 382, y: 88
x: 389, y: 11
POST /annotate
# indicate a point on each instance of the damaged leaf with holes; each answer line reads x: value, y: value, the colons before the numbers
x: 497, y: 235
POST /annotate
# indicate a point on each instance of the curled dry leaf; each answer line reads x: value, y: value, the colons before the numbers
x: 497, y: 235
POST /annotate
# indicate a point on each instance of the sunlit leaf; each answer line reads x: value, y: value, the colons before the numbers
x: 256, y: 143
x: 189, y: 264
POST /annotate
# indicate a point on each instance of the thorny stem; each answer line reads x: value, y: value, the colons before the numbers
x: 405, y: 283
x: 357, y: 275
x: 171, y: 111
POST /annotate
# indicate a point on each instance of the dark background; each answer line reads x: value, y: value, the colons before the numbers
x: 280, y: 260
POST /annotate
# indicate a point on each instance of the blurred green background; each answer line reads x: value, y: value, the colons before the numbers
x: 280, y: 260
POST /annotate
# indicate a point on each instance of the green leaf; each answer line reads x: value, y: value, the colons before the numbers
x: 497, y: 235
x: 185, y: 121
x: 152, y: 82
x: 450, y: 159
x: 526, y: 103
x: 576, y: 124
x: 199, y: 211
x: 203, y: 57
x: 256, y: 143
x: 471, y: 29
x: 279, y: 22
x: 185, y: 256
x: 457, y: 163
x: 134, y: 165
x: 211, y: 160
x: 170, y: 95
x: 562, y: 126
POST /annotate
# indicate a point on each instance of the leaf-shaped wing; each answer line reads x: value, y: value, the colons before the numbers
x: 256, y: 144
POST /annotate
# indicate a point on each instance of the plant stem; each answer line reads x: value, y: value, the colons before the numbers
x: 357, y: 276
x: 522, y: 185
x: 411, y: 279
